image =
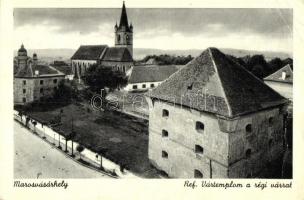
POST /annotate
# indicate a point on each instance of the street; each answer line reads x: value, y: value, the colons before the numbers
x: 35, y: 158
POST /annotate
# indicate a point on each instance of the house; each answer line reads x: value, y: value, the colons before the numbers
x: 281, y: 81
x: 147, y: 77
x: 214, y: 119
x: 119, y: 57
x: 33, y: 81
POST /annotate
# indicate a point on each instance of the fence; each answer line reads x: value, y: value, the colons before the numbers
x: 54, y: 137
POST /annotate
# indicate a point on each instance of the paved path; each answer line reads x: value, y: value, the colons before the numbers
x: 35, y: 158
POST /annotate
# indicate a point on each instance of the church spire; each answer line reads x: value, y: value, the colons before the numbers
x: 123, y: 24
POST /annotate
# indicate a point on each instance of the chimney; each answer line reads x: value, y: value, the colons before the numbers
x: 36, y: 72
x: 283, y: 75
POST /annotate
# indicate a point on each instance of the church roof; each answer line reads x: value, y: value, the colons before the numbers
x: 117, y: 54
x: 152, y: 73
x: 278, y: 75
x: 123, y: 24
x: 29, y: 71
x: 216, y: 84
x: 88, y: 52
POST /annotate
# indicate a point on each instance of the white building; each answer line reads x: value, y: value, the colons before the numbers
x: 142, y: 77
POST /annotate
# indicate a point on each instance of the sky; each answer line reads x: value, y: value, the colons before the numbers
x: 160, y: 28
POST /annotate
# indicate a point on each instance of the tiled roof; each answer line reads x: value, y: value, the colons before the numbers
x: 278, y: 75
x: 118, y: 54
x: 152, y: 73
x: 214, y: 83
x: 67, y: 70
x: 29, y: 71
x: 88, y: 52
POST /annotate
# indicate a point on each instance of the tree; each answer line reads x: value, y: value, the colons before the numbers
x: 34, y: 123
x: 64, y: 92
x: 80, y: 149
x: 257, y: 70
x: 99, y: 77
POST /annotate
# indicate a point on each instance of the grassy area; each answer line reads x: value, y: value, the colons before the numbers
x: 123, y: 138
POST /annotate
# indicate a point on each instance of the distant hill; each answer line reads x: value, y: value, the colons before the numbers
x: 50, y: 55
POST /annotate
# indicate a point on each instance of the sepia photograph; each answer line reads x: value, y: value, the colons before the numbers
x: 119, y: 93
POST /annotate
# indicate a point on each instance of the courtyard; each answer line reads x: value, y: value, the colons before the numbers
x: 122, y: 138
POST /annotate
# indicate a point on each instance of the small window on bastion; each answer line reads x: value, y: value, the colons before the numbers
x: 198, y: 174
x: 199, y: 149
x: 248, y: 153
x: 165, y: 113
x: 248, y: 128
x: 164, y: 154
x: 270, y: 121
x: 199, y: 126
x: 165, y: 133
x: 134, y: 87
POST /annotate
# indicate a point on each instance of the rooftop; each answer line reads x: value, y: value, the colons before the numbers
x: 214, y: 83
x: 29, y: 71
x: 88, y: 52
x: 285, y: 74
x: 152, y: 73
x: 120, y: 54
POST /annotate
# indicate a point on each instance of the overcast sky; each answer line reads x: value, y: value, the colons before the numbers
x: 252, y: 29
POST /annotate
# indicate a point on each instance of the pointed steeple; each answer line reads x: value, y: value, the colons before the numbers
x: 123, y: 24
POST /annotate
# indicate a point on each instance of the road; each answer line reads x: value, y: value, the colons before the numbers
x: 34, y: 158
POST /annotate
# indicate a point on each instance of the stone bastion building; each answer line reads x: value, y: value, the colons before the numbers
x: 214, y: 119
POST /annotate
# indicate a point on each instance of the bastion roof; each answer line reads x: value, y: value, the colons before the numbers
x: 214, y: 83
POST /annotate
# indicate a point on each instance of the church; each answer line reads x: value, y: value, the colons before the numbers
x: 119, y: 57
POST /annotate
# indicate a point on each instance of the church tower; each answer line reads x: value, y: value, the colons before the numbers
x: 124, y: 32
x: 22, y: 57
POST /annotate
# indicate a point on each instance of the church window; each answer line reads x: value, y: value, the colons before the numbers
x: 41, y: 82
x: 199, y: 149
x: 118, y: 38
x: 199, y: 126
x: 164, y: 154
x: 23, y: 100
x: 24, y: 82
x: 198, y: 174
x: 24, y: 91
x: 134, y: 87
x: 144, y: 86
x: 55, y: 81
x: 165, y: 113
x: 41, y: 90
x: 165, y: 133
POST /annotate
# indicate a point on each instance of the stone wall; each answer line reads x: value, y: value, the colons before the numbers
x: 33, y: 89
x: 129, y: 87
x: 225, y: 142
x: 265, y: 142
x: 121, y: 66
x: 182, y: 138
x: 79, y: 67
